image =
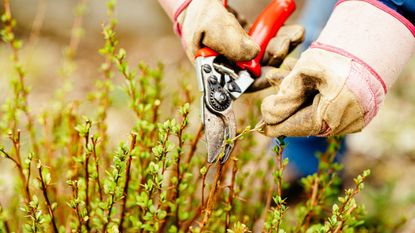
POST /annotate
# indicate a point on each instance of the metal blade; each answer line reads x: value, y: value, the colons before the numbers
x: 219, y: 128
x: 214, y: 132
x: 230, y: 133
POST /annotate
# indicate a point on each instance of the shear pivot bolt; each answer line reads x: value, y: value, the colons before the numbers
x: 206, y: 68
x: 220, y: 97
x: 213, y: 79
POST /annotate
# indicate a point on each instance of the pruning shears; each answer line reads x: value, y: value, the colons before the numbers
x: 222, y: 82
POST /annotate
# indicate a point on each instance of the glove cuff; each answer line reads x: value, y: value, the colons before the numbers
x: 372, y: 32
x: 379, y: 43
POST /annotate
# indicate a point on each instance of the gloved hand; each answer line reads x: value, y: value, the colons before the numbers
x: 208, y: 23
x: 339, y: 83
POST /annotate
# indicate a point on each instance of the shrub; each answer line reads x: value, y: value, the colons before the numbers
x: 70, y: 179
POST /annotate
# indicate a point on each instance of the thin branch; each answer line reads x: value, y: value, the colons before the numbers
x: 74, y: 186
x: 5, y: 223
x: 38, y: 21
x: 318, y: 185
x: 231, y: 193
x: 94, y: 155
x: 247, y: 130
x: 17, y: 160
x: 76, y: 28
x: 183, y: 125
x: 45, y: 195
x: 22, y: 92
x: 212, y: 197
x: 193, y: 146
x: 204, y: 184
x: 127, y: 181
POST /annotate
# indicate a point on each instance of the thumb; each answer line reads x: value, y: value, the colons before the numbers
x: 271, y: 76
x: 291, y: 96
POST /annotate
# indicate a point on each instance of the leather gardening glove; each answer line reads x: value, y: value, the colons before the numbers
x: 203, y: 23
x: 339, y: 83
x: 207, y: 23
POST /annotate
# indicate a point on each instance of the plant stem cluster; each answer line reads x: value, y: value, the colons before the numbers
x: 71, y: 179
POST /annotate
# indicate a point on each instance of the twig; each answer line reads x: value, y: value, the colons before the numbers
x: 94, y: 155
x: 86, y: 165
x: 231, y: 193
x: 45, y: 195
x: 187, y: 224
x: 316, y: 192
x: 268, y: 200
x: 116, y: 177
x: 38, y: 21
x: 164, y: 144
x: 22, y: 92
x: 17, y: 160
x: 199, y: 210
x: 339, y: 228
x: 74, y: 186
x: 350, y: 194
x: 204, y: 184
x: 5, y: 223
x: 247, y: 130
x: 127, y: 181
x: 107, y: 70
x: 193, y: 146
x: 212, y: 196
x: 76, y: 28
x: 281, y: 166
x: 183, y: 125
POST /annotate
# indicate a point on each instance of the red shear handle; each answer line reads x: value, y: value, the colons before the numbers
x: 265, y: 28
x: 206, y: 52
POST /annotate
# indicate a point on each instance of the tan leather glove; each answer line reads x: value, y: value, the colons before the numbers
x: 339, y: 83
x: 208, y: 23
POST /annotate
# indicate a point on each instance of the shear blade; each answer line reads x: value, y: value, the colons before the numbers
x: 219, y: 128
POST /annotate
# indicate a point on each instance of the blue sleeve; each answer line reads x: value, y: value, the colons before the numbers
x: 404, y: 7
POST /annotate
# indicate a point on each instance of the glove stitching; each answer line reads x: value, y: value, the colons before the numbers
x: 369, y: 113
x: 327, y: 130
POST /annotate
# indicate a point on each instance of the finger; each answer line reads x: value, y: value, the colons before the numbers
x: 286, y: 40
x: 270, y: 76
x: 295, y: 33
x: 276, y: 51
x: 300, y: 124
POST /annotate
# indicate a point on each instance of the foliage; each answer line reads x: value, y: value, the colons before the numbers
x: 70, y: 179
